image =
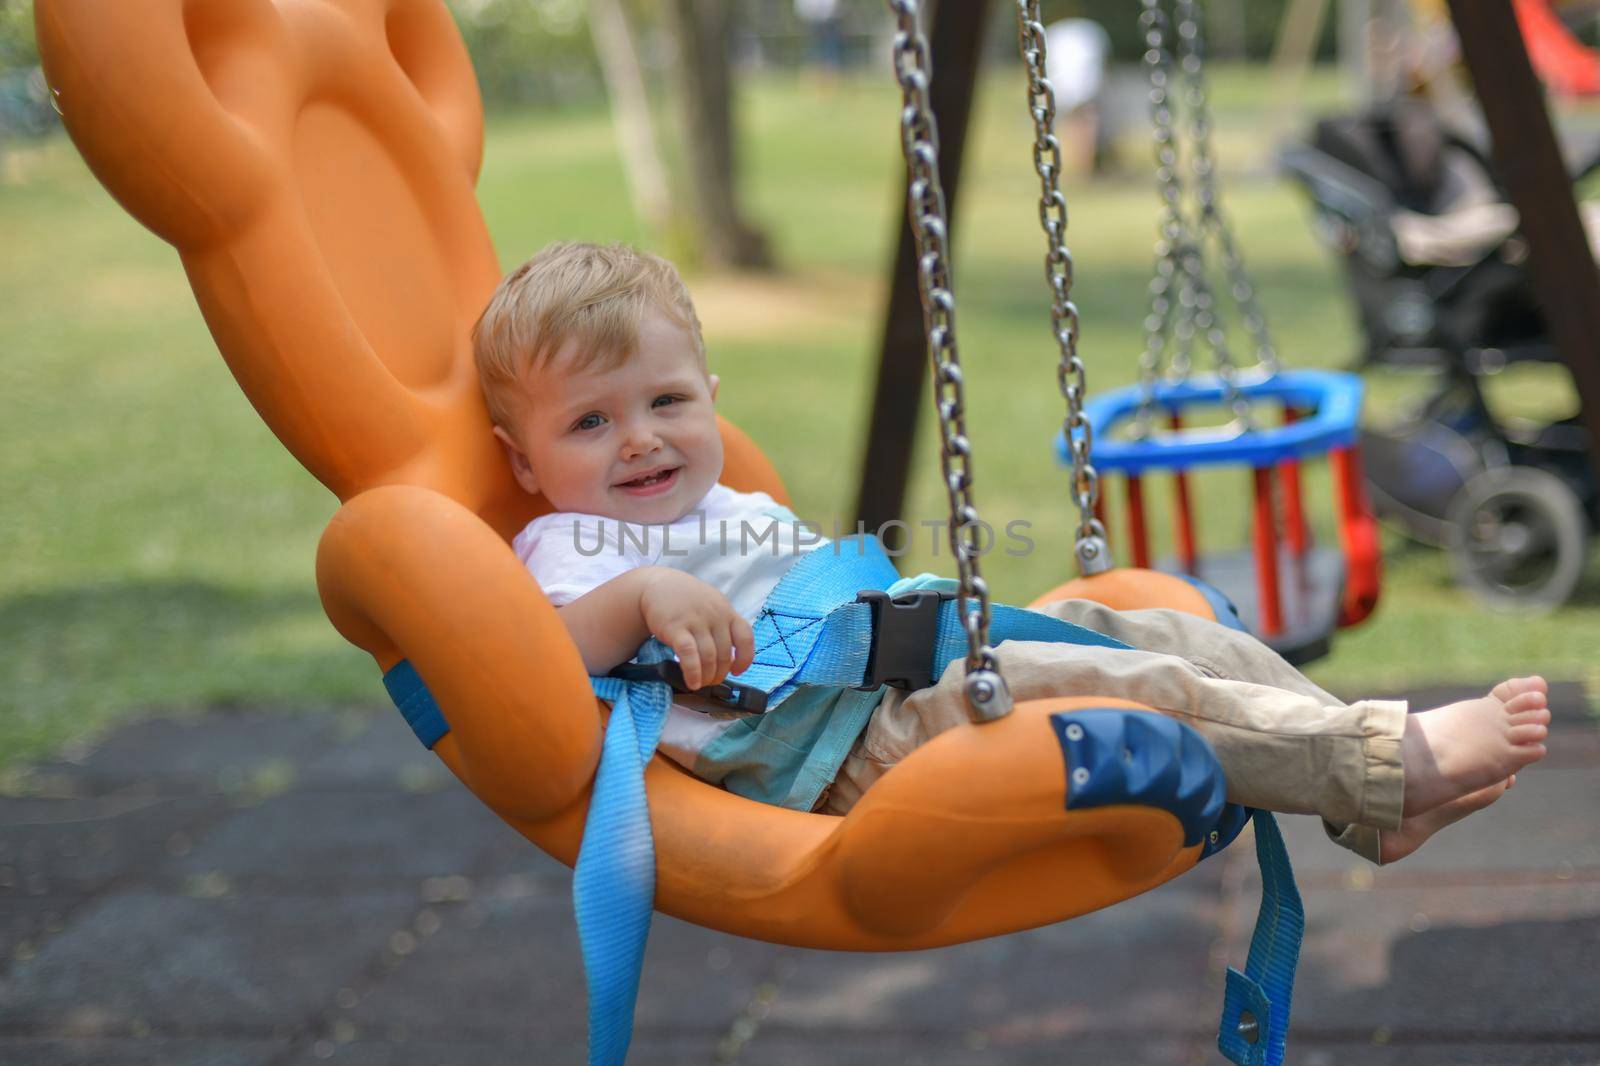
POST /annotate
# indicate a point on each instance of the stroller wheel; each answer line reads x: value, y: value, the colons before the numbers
x: 1517, y: 538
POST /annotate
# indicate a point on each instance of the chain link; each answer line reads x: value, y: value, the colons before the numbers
x: 1179, y: 251
x: 1071, y: 378
x: 1212, y: 221
x: 1169, y: 282
x: 986, y: 692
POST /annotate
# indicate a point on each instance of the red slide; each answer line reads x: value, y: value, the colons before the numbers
x: 1565, y: 64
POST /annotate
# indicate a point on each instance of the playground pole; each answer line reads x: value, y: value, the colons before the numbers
x: 1529, y: 160
x: 1355, y: 56
x: 955, y: 39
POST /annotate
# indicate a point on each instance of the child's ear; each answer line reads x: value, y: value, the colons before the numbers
x: 715, y: 381
x: 521, y: 469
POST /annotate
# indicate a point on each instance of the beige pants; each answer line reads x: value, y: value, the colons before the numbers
x: 1284, y: 744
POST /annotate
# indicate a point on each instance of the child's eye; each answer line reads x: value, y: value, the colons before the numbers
x: 590, y: 421
x: 663, y: 400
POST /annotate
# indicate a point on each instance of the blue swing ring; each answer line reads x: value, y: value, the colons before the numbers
x: 1333, y: 400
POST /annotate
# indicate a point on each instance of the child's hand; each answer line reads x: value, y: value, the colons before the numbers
x: 697, y: 622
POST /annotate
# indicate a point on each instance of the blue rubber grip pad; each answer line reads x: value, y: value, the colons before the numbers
x: 1120, y: 757
x: 416, y: 703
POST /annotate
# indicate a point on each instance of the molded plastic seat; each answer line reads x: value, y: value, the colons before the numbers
x: 313, y: 162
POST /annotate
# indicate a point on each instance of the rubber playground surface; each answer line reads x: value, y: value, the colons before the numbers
x: 286, y: 888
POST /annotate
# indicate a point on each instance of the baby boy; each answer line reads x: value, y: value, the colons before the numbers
x: 595, y: 376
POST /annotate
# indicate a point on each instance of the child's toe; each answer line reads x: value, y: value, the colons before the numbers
x: 1536, y: 715
x: 1525, y: 701
x: 1525, y: 732
x: 1513, y: 687
x: 1528, y: 745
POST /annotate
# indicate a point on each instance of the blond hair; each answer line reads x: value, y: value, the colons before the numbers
x: 591, y: 294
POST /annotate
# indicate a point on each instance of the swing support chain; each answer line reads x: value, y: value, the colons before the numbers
x: 1090, y: 539
x: 1179, y: 252
x: 1212, y: 221
x: 987, y: 695
x: 1169, y: 278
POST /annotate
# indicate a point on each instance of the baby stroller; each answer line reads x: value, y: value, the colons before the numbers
x: 1437, y: 270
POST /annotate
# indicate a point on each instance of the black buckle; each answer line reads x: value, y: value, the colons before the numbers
x: 904, y: 628
x: 735, y: 697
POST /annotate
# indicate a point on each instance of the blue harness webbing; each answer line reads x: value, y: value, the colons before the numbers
x: 1266, y: 987
x: 614, y: 879
x: 810, y: 632
x: 1255, y: 1003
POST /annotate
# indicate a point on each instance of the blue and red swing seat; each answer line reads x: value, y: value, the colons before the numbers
x: 1289, y: 591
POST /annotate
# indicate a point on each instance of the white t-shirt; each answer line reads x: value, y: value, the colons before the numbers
x: 740, y: 543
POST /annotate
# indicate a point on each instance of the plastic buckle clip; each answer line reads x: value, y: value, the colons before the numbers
x: 904, y: 629
x: 743, y: 698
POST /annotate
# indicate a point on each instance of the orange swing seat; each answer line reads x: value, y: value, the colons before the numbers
x: 313, y: 162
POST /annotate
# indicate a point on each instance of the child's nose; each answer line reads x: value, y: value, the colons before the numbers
x: 641, y: 440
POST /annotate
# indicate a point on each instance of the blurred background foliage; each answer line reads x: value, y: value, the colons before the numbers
x: 539, y: 52
x: 532, y: 51
x: 24, y: 101
x: 17, y: 48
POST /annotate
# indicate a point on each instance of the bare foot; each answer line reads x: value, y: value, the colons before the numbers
x: 1396, y: 844
x: 1460, y: 748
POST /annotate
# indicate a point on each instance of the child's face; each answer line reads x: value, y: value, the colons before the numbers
x: 585, y: 438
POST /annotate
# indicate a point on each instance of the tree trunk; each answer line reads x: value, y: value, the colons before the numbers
x: 1292, y: 55
x: 704, y: 31
x: 630, y: 114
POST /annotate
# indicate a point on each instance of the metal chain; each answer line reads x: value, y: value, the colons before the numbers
x: 1090, y: 547
x: 1169, y: 278
x: 987, y: 695
x: 1212, y: 221
x: 1196, y: 311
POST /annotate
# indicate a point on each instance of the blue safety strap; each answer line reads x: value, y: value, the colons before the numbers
x: 614, y: 881
x: 1255, y: 1004
x: 1267, y: 985
x: 809, y: 631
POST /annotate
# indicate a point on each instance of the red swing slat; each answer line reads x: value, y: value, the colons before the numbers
x: 1358, y: 534
x: 1183, y: 513
x: 1294, y: 518
x: 1138, y: 533
x: 1264, y: 538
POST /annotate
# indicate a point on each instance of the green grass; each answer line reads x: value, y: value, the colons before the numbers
x: 159, y: 542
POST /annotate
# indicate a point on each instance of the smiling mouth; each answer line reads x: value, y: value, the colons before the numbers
x: 649, y: 480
